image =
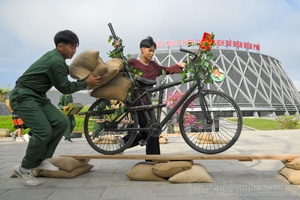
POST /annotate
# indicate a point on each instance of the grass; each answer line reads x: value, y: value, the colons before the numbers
x: 262, y: 123
x: 6, y: 122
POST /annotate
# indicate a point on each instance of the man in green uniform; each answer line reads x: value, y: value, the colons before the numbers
x: 28, y: 100
x: 64, y: 100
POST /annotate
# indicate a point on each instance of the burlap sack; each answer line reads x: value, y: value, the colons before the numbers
x: 116, y: 89
x: 100, y: 68
x: 113, y: 68
x: 83, y: 64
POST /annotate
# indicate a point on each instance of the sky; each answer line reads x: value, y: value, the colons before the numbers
x: 27, y: 27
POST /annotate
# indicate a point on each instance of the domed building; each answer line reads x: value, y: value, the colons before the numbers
x: 257, y: 82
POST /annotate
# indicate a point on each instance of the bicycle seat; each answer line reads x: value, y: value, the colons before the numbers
x: 145, y: 81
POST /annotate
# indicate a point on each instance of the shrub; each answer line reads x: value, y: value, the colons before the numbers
x: 288, y: 122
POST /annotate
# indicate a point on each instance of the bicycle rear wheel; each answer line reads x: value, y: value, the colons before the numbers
x: 106, y: 124
x: 215, y: 137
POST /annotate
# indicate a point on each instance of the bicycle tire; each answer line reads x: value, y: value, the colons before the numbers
x: 222, y: 133
x: 99, y: 117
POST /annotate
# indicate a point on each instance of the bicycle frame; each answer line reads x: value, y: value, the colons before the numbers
x: 160, y: 89
x: 150, y: 117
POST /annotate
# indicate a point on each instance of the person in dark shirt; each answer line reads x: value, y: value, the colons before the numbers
x: 29, y: 101
x: 150, y: 70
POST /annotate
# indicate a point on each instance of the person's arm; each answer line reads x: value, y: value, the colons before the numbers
x: 58, y: 75
x: 174, y: 69
x: 61, y: 104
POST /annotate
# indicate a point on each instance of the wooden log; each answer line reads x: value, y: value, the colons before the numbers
x: 170, y: 157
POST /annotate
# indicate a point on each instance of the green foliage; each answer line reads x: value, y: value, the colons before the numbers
x: 5, y: 89
x: 288, y: 122
x: 79, y: 124
x: 116, y: 52
x: 261, y: 123
x: 202, y: 66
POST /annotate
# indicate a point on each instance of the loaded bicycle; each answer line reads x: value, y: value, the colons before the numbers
x: 216, y: 124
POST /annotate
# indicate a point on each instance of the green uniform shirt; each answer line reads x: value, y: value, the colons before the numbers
x: 64, y: 100
x: 50, y: 70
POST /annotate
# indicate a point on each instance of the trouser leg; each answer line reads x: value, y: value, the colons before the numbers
x: 72, y: 123
x: 71, y: 126
x: 47, y: 124
x: 152, y: 146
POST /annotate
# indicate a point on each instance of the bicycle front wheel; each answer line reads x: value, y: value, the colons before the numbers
x: 106, y: 124
x: 215, y: 136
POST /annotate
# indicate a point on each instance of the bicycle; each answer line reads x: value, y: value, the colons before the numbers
x: 212, y: 131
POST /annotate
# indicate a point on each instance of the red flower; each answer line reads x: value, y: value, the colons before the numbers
x: 207, y: 41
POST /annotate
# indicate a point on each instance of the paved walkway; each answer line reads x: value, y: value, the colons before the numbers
x: 258, y: 179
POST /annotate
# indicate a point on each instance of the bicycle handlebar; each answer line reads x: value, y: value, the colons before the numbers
x: 112, y: 31
x: 120, y: 48
x: 186, y: 51
x: 190, y: 52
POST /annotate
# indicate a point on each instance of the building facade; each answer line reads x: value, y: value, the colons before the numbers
x: 257, y: 82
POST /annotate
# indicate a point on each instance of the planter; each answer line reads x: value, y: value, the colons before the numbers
x: 4, y: 132
x: 1, y: 97
x: 76, y: 134
x: 175, y: 128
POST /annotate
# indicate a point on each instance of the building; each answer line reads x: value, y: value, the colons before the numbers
x: 257, y: 82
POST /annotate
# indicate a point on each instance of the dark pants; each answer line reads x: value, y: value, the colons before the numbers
x: 152, y: 146
x: 72, y: 124
x: 47, y: 124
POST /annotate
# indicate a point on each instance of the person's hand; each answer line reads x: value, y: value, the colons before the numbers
x: 116, y: 43
x: 93, y: 81
x: 66, y: 108
x: 181, y: 64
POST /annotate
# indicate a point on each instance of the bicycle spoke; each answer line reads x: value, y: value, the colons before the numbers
x: 105, y: 126
x: 214, y: 137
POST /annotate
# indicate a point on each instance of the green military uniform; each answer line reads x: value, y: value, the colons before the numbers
x: 29, y: 101
x: 64, y: 100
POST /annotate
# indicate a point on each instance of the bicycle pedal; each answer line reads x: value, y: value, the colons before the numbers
x: 142, y: 143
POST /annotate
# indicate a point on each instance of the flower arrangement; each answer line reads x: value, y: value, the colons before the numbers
x: 203, y: 66
x: 288, y: 122
x: 172, y: 100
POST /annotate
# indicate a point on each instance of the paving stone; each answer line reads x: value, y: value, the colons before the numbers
x: 232, y: 180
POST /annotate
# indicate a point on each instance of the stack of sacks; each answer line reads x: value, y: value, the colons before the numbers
x: 208, y: 138
x: 106, y: 139
x: 163, y: 140
x: 291, y: 171
x: 205, y: 138
x: 68, y: 168
x: 173, y: 171
x: 112, y: 80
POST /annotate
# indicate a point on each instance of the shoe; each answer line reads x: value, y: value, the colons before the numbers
x: 26, y: 137
x: 46, y: 165
x: 19, y: 139
x: 68, y: 141
x: 27, y: 177
x: 12, y: 134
